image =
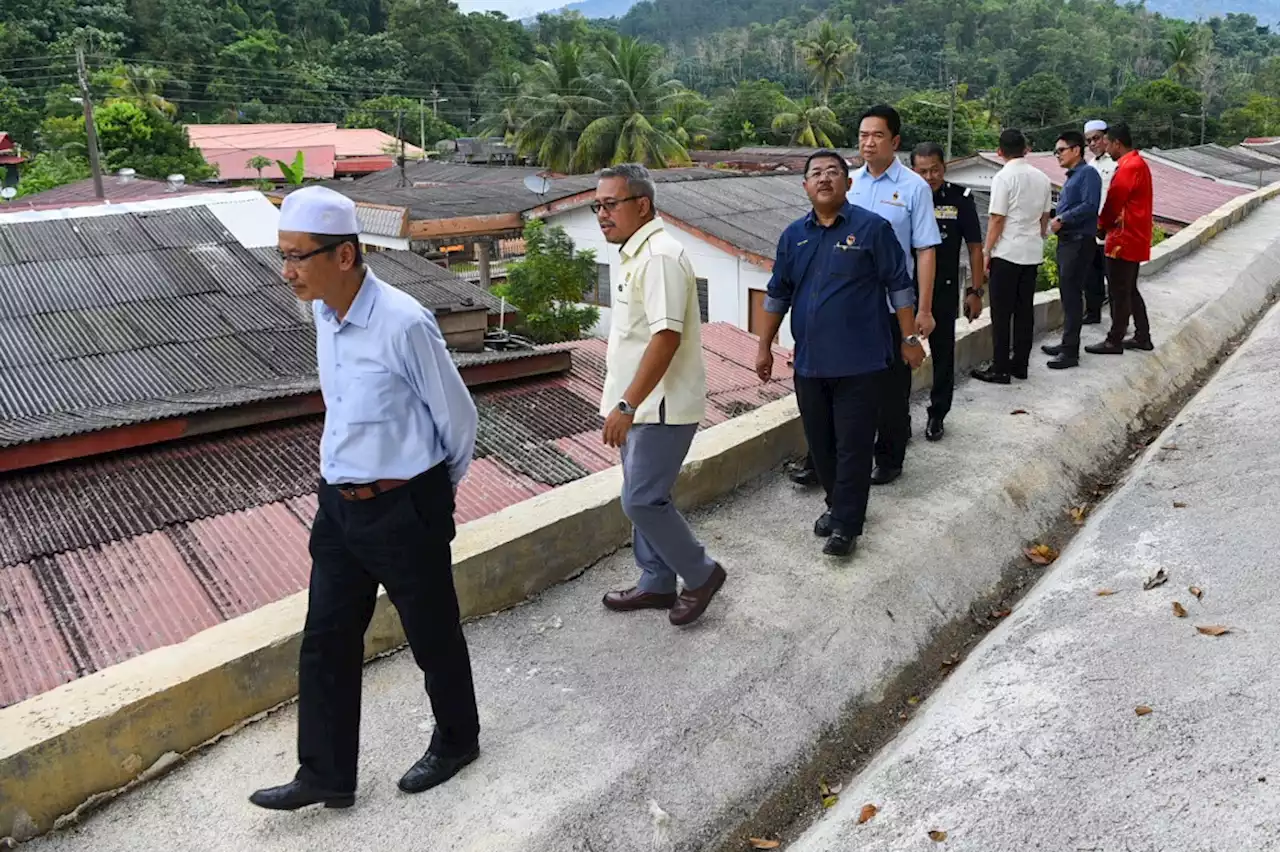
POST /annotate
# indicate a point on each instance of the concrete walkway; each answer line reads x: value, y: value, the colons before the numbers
x: 1035, y: 742
x: 594, y: 721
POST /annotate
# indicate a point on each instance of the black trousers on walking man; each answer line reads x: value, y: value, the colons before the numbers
x: 1075, y: 272
x: 399, y: 539
x: 1013, y: 293
x: 893, y: 426
x: 942, y: 347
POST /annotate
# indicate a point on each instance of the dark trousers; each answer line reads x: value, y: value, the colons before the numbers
x: 399, y: 539
x: 1095, y: 292
x: 942, y: 348
x: 1126, y: 301
x: 893, y: 426
x: 1013, y: 291
x: 839, y: 417
x: 1075, y: 270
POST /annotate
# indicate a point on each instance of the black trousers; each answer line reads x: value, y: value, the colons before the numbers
x: 401, y: 540
x: 1013, y: 292
x: 1126, y: 301
x: 1075, y: 270
x: 893, y: 426
x: 839, y: 417
x: 942, y: 347
x: 1096, y: 291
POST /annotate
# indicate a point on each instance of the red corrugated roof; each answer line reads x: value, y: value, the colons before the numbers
x: 108, y: 559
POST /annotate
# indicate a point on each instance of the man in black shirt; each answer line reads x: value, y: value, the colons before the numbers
x: 957, y: 217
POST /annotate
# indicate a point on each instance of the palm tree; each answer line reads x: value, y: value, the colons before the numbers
x: 258, y: 163
x: 1183, y: 51
x: 826, y: 54
x: 808, y: 124
x: 143, y: 85
x: 635, y: 93
x: 505, y: 119
x: 555, y: 107
x: 688, y: 120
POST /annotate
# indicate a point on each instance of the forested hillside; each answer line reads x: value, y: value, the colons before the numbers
x: 668, y: 76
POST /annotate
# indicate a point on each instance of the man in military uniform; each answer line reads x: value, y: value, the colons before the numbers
x: 958, y: 223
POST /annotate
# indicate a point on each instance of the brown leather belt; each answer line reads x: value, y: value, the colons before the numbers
x: 368, y: 490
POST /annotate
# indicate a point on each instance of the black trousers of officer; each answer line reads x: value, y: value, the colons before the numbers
x: 893, y: 426
x: 1095, y: 292
x: 839, y: 419
x: 399, y: 539
x: 1013, y: 293
x: 942, y: 346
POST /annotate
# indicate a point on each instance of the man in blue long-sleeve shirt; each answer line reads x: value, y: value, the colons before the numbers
x: 1076, y: 225
x: 835, y: 269
x: 399, y: 433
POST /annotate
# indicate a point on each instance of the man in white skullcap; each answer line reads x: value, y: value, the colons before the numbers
x: 1095, y: 136
x: 399, y: 432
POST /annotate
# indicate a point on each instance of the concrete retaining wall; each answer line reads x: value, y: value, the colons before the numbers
x: 94, y: 735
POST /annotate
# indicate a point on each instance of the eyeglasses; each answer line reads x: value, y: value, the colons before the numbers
x: 1058, y: 152
x: 295, y: 259
x: 611, y: 204
x: 832, y: 172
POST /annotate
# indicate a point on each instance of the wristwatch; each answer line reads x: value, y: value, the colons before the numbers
x: 911, y: 340
x: 974, y: 291
x: 626, y: 408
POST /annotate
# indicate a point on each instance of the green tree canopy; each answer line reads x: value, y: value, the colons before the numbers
x: 548, y: 285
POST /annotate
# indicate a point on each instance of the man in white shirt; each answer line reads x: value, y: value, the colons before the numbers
x: 1095, y: 136
x: 655, y: 392
x: 1021, y: 197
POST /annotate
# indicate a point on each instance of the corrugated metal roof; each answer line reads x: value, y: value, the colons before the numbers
x: 1234, y: 164
x: 383, y: 221
x: 115, y: 190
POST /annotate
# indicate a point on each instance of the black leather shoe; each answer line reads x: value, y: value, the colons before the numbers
x: 840, y: 544
x: 1019, y: 373
x: 934, y: 430
x: 1051, y: 350
x: 805, y: 476
x: 1064, y: 362
x: 433, y: 769
x: 1106, y: 347
x: 883, y: 474
x: 1091, y: 319
x: 1135, y: 343
x: 991, y: 376
x: 298, y: 794
x: 822, y: 526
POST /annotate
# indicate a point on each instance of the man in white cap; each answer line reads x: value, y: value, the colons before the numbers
x: 399, y: 432
x: 1095, y: 136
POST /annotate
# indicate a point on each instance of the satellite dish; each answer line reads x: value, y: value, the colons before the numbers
x: 537, y: 184
x: 8, y: 193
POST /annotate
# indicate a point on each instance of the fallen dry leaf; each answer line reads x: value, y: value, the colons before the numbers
x: 1214, y: 630
x: 999, y: 613
x: 761, y: 843
x: 1078, y: 514
x: 937, y: 836
x: 823, y: 789
x: 1018, y: 411
x: 1142, y: 710
x: 1197, y: 591
x: 1102, y: 593
x: 1179, y: 610
x: 1041, y: 554
x: 868, y: 811
x: 1178, y: 504
x: 1159, y: 579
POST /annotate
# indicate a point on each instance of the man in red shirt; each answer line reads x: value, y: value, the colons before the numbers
x: 1126, y: 222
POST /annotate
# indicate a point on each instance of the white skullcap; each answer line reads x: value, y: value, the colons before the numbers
x: 317, y: 210
x: 1096, y: 124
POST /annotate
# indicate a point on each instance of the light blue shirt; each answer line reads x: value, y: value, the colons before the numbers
x: 905, y: 199
x: 395, y: 404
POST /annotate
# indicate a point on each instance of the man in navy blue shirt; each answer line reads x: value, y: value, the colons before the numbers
x: 835, y: 269
x: 1076, y: 225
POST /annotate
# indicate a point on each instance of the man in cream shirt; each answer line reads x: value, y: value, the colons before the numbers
x: 1021, y: 197
x: 655, y: 392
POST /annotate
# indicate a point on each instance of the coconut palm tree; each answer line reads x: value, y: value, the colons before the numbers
x: 555, y: 107
x: 1183, y: 52
x: 635, y: 92
x: 504, y: 120
x: 808, y: 124
x: 143, y: 85
x: 688, y: 120
x: 826, y: 54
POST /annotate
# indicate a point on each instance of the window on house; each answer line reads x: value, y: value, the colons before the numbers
x: 599, y: 294
x: 702, y: 300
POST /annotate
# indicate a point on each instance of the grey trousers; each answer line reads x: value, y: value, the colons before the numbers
x: 664, y: 545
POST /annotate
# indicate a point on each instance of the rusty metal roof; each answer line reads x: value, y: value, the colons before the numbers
x: 108, y: 558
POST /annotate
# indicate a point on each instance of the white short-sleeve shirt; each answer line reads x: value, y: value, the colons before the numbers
x: 656, y: 290
x: 1022, y: 194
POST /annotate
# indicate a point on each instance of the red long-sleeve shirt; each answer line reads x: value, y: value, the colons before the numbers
x: 1126, y: 215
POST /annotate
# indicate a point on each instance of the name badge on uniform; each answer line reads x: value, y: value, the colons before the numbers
x: 945, y: 212
x: 895, y: 201
x: 850, y: 244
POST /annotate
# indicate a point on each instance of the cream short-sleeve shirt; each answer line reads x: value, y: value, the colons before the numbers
x: 1022, y: 194
x: 656, y: 291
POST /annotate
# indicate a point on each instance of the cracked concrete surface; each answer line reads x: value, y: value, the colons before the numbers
x: 590, y: 716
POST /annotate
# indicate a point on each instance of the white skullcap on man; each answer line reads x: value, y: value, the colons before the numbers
x: 317, y: 210
x: 1097, y: 124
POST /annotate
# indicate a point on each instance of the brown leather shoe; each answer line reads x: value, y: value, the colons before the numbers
x: 693, y: 602
x: 629, y: 600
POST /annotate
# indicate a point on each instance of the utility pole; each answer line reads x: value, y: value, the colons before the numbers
x: 436, y: 100
x: 422, y: 127
x: 404, y: 181
x: 951, y: 118
x: 90, y: 130
x: 1202, y: 120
